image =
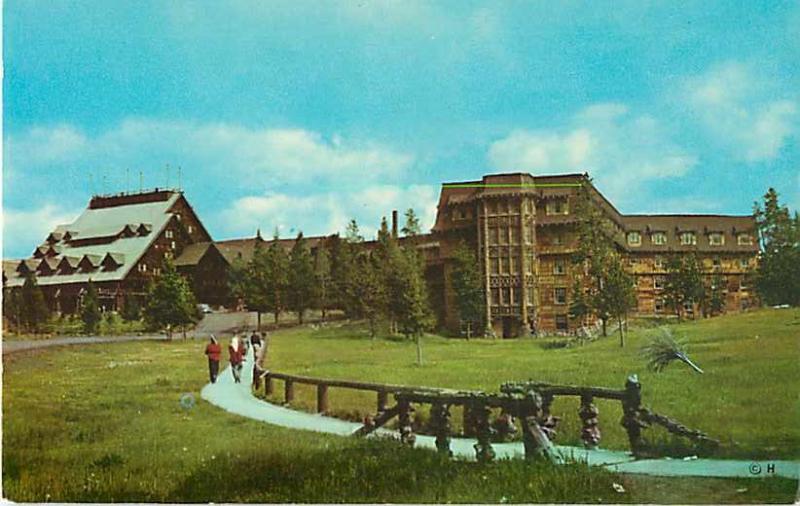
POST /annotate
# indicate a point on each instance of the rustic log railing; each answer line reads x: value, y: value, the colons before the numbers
x: 529, y: 402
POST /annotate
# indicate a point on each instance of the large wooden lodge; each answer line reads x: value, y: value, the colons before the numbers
x: 521, y: 227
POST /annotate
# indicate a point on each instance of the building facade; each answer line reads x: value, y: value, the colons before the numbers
x: 523, y: 231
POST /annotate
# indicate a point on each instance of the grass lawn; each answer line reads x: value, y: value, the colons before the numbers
x: 747, y: 397
x: 105, y: 423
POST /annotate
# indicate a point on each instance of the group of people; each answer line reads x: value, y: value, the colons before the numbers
x: 237, y: 351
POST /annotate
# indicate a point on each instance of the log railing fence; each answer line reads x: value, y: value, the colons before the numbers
x: 529, y: 402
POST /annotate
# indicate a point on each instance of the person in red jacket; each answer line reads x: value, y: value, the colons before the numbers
x: 236, y: 352
x: 213, y: 352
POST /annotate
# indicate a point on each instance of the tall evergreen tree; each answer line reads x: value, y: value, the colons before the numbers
x: 618, y: 296
x: 322, y: 277
x: 595, y: 250
x: 90, y: 310
x: 410, y: 297
x: 684, y: 283
x: 276, y: 282
x: 579, y: 307
x: 370, y: 290
x: 467, y: 284
x: 35, y: 311
x: 411, y: 228
x: 13, y: 308
x: 778, y: 276
x: 170, y: 301
x: 301, y: 286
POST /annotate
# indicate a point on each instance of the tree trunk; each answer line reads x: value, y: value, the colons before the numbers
x: 605, y: 334
x: 277, y: 314
x: 300, y: 317
x: 621, y: 332
x: 258, y: 321
x: 419, y: 350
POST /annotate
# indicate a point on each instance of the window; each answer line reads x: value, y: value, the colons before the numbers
x: 556, y: 240
x: 172, y: 244
x: 659, y: 238
x: 514, y: 235
x: 492, y: 236
x: 503, y: 235
x: 512, y: 264
x: 495, y: 265
x: 529, y: 295
x: 506, y: 296
x: 503, y: 265
x: 529, y: 263
x: 560, y: 295
x: 190, y: 229
x: 658, y: 282
x: 744, y: 263
x: 717, y: 263
x: 512, y: 295
x: 659, y: 262
x: 688, y: 307
x: 142, y: 267
x: 559, y: 267
x: 558, y: 206
x: 633, y: 261
x: 168, y: 234
x: 495, y: 296
x: 743, y: 284
x: 688, y: 238
x: 659, y: 305
x: 716, y: 239
x: 561, y: 322
x: 157, y: 271
x: 634, y: 239
x: 744, y: 239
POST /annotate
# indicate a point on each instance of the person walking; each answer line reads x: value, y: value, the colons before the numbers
x: 236, y: 352
x: 213, y: 352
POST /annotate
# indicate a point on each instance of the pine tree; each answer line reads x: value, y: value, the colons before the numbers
x: 410, y: 298
x: 170, y: 301
x: 467, y: 284
x: 90, y: 310
x: 13, y: 307
x: 778, y: 276
x: 131, y: 310
x: 276, y: 282
x: 301, y: 285
x: 579, y: 307
x: 618, y: 296
x: 684, y: 283
x: 411, y: 228
x: 370, y: 290
x: 322, y: 276
x: 35, y: 311
x: 595, y: 250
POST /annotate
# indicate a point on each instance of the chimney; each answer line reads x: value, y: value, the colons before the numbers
x: 394, y: 223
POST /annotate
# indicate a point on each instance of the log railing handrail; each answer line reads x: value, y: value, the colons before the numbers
x: 552, y: 389
x: 363, y: 385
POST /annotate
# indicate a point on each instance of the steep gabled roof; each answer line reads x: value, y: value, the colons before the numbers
x: 108, y: 217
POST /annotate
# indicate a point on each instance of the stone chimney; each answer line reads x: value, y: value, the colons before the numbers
x: 394, y: 223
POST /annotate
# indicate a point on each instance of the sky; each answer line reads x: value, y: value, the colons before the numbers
x: 301, y: 115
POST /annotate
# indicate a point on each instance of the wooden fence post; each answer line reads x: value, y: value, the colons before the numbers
x: 383, y: 399
x: 288, y: 391
x: 404, y: 422
x: 268, y: 386
x: 483, y: 431
x: 590, y: 432
x: 322, y: 398
x: 468, y: 422
x: 440, y: 421
x: 631, y: 404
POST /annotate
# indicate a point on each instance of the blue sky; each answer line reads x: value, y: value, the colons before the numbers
x: 302, y: 115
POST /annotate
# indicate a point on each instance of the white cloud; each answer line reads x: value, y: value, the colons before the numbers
x: 327, y: 213
x: 741, y: 110
x: 606, y: 140
x: 271, y: 156
x: 32, y: 226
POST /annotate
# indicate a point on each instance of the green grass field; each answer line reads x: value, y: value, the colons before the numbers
x: 104, y: 423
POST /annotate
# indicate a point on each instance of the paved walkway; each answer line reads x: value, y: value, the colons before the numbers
x: 238, y: 399
x: 14, y: 346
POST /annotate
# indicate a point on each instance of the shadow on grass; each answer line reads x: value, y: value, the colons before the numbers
x: 385, y: 471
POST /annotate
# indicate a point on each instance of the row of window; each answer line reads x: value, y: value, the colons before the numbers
x: 716, y: 263
x: 510, y: 265
x: 688, y: 239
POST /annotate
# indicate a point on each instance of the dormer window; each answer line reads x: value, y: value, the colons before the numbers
x: 142, y: 267
x: 557, y: 206
x: 190, y: 229
x: 688, y: 238
x: 659, y: 238
x: 716, y: 239
x: 168, y: 234
x: 659, y: 262
x: 744, y: 240
x: 634, y: 239
x: 559, y: 267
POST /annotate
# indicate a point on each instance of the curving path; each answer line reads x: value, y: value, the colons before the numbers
x: 238, y: 399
